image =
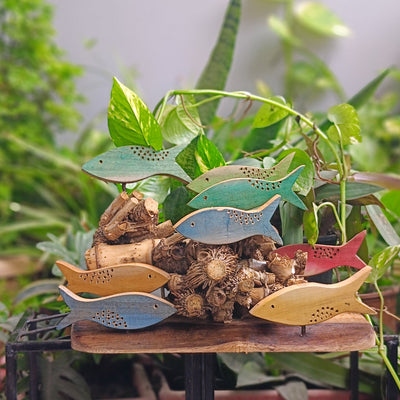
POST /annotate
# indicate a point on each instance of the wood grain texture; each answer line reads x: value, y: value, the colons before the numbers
x: 222, y: 225
x: 345, y: 332
x: 248, y: 193
x: 311, y: 303
x: 321, y: 258
x: 129, y: 277
x: 217, y: 175
x: 127, y: 164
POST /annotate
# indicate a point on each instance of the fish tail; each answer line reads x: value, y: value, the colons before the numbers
x: 352, y: 247
x: 72, y: 300
x: 69, y: 271
x: 359, y: 307
x: 268, y: 210
x: 287, y: 192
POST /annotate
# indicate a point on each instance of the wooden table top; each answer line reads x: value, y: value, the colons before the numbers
x: 345, y: 332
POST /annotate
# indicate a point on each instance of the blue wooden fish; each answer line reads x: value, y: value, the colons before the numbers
x: 128, y: 164
x: 222, y: 225
x: 248, y: 193
x: 310, y: 303
x: 219, y: 174
x: 133, y: 310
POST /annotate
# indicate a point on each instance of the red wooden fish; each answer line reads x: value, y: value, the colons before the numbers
x: 322, y: 258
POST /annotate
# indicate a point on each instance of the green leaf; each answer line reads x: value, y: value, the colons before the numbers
x: 175, y: 204
x: 269, y: 114
x: 381, y: 261
x: 354, y: 190
x: 200, y: 156
x: 384, y: 227
x: 44, y: 286
x: 305, y: 181
x: 391, y: 201
x: 320, y: 19
x: 310, y: 223
x: 281, y: 28
x: 216, y: 71
x: 130, y: 122
x: 292, y: 223
x: 346, y: 128
x: 182, y: 122
x: 293, y: 390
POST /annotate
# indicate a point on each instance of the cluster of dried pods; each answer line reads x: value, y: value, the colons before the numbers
x: 207, y: 281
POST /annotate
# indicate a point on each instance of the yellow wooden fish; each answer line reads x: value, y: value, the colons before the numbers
x: 310, y: 303
x: 131, y: 277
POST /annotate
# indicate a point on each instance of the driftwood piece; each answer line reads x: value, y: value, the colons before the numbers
x: 104, y: 255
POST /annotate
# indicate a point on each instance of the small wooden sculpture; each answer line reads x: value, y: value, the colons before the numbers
x: 217, y: 175
x: 133, y: 310
x: 248, y: 193
x: 322, y: 258
x: 311, y: 303
x: 132, y: 163
x: 221, y: 225
x: 129, y: 277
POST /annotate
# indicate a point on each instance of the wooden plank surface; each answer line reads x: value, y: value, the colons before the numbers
x: 345, y: 332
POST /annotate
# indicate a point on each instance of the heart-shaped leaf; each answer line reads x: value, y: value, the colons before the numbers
x: 346, y: 128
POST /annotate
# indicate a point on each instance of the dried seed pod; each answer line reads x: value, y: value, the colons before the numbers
x: 300, y: 258
x: 223, y: 313
x: 295, y: 280
x: 176, y: 283
x: 244, y: 299
x: 190, y: 304
x: 216, y: 297
x: 171, y: 258
x: 282, y: 266
x: 217, y: 265
x: 257, y: 294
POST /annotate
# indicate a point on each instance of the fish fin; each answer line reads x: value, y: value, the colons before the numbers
x: 352, y: 284
x: 180, y: 172
x: 268, y: 210
x: 287, y: 192
x: 351, y: 248
x: 66, y: 321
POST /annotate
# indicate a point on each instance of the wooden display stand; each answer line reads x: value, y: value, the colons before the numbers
x: 199, y: 339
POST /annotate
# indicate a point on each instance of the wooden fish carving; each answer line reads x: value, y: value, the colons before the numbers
x: 132, y: 277
x: 321, y: 258
x: 222, y: 225
x: 219, y: 174
x: 128, y: 164
x: 248, y: 193
x: 310, y: 303
x: 133, y: 310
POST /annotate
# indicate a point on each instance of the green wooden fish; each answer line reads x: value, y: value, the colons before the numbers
x: 248, y: 193
x: 219, y: 174
x: 128, y: 164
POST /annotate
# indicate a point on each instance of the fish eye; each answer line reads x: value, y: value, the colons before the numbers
x: 192, y: 224
x: 205, y: 197
x: 155, y: 306
x: 207, y: 179
x: 149, y: 276
x: 272, y: 305
x: 101, y: 161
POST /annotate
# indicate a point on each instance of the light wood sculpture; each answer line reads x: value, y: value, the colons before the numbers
x: 221, y: 225
x: 248, y: 193
x: 129, y: 277
x: 217, y: 175
x: 132, y: 163
x: 322, y: 258
x: 310, y: 303
x: 133, y: 310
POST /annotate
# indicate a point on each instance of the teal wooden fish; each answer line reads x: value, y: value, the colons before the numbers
x: 133, y: 310
x: 128, y: 164
x: 310, y: 303
x: 248, y: 193
x: 222, y: 225
x: 219, y: 174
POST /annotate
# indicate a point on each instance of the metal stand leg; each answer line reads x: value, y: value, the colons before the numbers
x: 199, y: 376
x: 392, y: 343
x: 354, y: 375
x: 11, y: 368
